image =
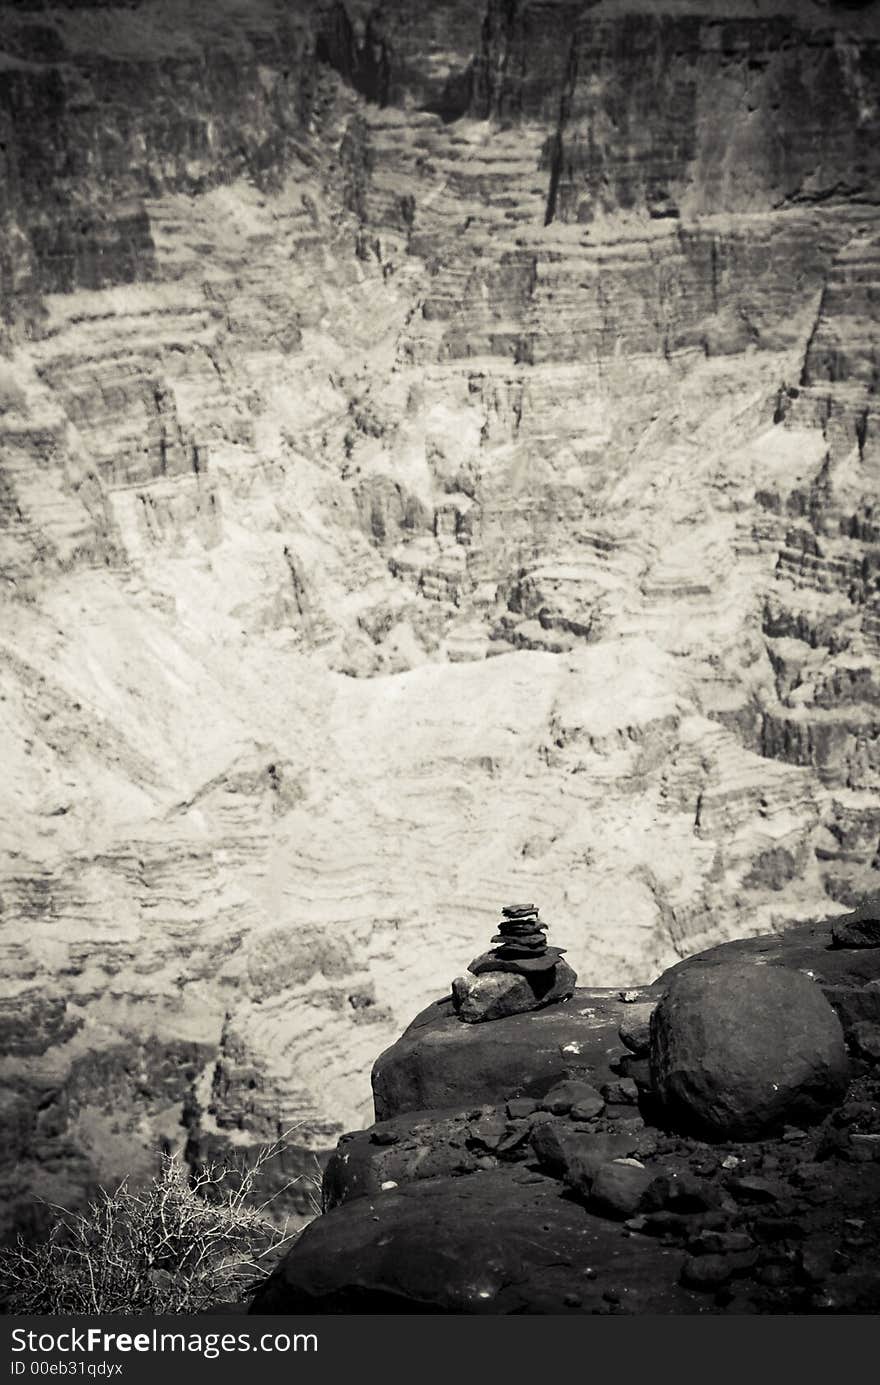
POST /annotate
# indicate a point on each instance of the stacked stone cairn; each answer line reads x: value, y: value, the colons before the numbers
x: 519, y: 973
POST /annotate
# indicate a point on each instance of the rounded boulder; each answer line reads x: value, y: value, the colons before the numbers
x: 739, y: 1050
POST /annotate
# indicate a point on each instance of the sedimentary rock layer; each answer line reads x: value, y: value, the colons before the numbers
x: 437, y: 464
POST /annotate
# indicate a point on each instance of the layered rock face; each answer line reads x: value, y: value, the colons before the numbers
x: 342, y: 350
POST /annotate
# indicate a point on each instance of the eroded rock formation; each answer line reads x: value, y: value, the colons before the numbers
x: 341, y: 350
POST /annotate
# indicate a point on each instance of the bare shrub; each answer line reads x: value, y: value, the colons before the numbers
x: 184, y: 1244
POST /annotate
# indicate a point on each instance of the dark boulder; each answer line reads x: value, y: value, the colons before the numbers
x: 740, y: 1050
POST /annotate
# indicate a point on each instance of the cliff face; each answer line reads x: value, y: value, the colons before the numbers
x: 342, y: 349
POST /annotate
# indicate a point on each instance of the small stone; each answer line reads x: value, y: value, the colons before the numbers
x: 623, y: 1092
x: 520, y: 1107
x: 515, y: 911
x: 514, y: 1139
x: 707, y: 1242
x: 587, y: 1110
x: 489, y: 962
x: 624, y: 1118
x: 576, y: 1155
x: 521, y: 947
x: 384, y: 1137
x: 816, y: 1264
x: 487, y: 1132
x: 774, y: 1275
x: 618, y: 1190
x: 730, y: 1162
x: 492, y: 997
x: 752, y: 1190
x: 387, y: 1186
x: 864, y: 1039
x: 681, y: 1192
x: 705, y: 1271
x: 554, y: 1144
x: 675, y: 1226
x: 865, y: 1148
x: 561, y: 1098
x: 639, y: 1069
x: 635, y: 1029
x: 769, y: 1229
x: 859, y: 1113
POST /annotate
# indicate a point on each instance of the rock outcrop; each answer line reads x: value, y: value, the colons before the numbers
x: 511, y: 1191
x: 438, y: 456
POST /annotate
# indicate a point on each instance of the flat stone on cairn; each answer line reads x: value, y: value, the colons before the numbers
x: 519, y: 973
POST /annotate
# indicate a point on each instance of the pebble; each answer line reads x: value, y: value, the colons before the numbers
x: 635, y: 1029
x: 561, y: 1098
x: 719, y: 1242
x: 384, y: 1137
x: 622, y: 1092
x: 520, y: 1107
x: 775, y: 1276
x: 587, y: 1110
x: 752, y: 1190
x: 618, y: 1189
x: 514, y: 1139
x: 705, y: 1271
x: 681, y: 1192
x: 777, y: 1229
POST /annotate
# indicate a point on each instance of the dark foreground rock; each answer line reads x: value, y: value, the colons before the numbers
x: 498, y: 1242
x: 504, y: 1176
x: 440, y: 1062
x: 739, y: 1050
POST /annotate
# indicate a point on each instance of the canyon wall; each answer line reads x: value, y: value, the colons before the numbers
x: 438, y: 464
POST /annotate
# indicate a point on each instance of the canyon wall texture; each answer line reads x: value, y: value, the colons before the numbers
x: 438, y: 464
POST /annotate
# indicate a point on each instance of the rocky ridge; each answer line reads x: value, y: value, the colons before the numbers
x: 552, y: 1162
x: 341, y: 351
